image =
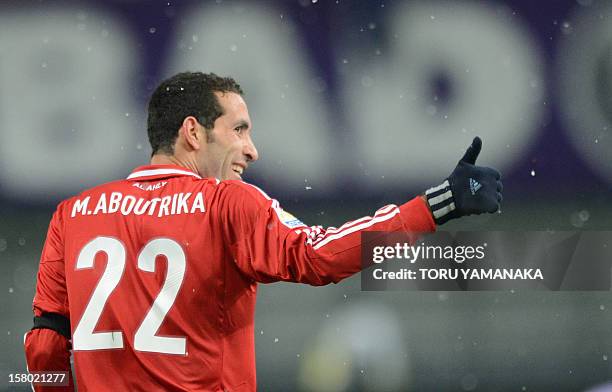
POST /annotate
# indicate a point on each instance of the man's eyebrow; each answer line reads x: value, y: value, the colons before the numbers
x: 242, y: 124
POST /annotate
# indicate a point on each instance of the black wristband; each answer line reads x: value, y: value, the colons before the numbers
x: 441, y: 202
x: 54, y: 321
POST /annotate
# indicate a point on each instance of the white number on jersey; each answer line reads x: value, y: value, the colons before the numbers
x: 84, y: 338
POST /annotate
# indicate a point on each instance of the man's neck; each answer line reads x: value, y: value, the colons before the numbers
x: 163, y: 159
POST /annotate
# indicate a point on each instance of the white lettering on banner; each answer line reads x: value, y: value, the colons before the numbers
x: 496, y: 82
x: 489, y: 59
x: 179, y: 203
x: 584, y: 60
x: 75, y: 81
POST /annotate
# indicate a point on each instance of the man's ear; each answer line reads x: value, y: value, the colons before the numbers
x: 191, y: 133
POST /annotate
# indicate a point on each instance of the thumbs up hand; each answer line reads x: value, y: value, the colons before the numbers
x: 469, y: 190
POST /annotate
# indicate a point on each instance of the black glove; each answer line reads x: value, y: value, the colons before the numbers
x: 469, y: 190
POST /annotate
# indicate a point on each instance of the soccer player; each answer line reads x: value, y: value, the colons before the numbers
x: 151, y: 280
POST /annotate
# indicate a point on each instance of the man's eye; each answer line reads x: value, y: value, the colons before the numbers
x: 238, y: 129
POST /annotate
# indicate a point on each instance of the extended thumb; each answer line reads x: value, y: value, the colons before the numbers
x: 472, y: 152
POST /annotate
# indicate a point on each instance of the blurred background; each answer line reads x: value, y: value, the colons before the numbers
x: 355, y: 104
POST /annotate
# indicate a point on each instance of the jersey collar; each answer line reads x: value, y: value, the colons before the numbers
x: 152, y: 172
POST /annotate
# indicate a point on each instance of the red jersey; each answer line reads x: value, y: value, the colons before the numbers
x: 158, y: 275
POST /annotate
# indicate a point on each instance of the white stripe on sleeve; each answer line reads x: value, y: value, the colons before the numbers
x: 377, y: 219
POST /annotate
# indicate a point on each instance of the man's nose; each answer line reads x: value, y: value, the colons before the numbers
x: 250, y: 151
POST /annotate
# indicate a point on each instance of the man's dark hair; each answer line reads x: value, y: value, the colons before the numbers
x: 185, y: 94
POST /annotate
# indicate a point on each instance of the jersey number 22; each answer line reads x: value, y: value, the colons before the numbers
x: 84, y: 338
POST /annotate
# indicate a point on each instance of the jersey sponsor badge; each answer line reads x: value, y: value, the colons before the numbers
x: 288, y: 219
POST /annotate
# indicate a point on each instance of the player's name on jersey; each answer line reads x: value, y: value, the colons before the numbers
x: 117, y: 203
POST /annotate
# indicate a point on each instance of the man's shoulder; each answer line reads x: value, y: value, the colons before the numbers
x: 96, y: 189
x: 244, y: 189
x: 67, y: 203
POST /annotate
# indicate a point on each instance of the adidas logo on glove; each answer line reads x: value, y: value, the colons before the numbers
x: 474, y: 186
